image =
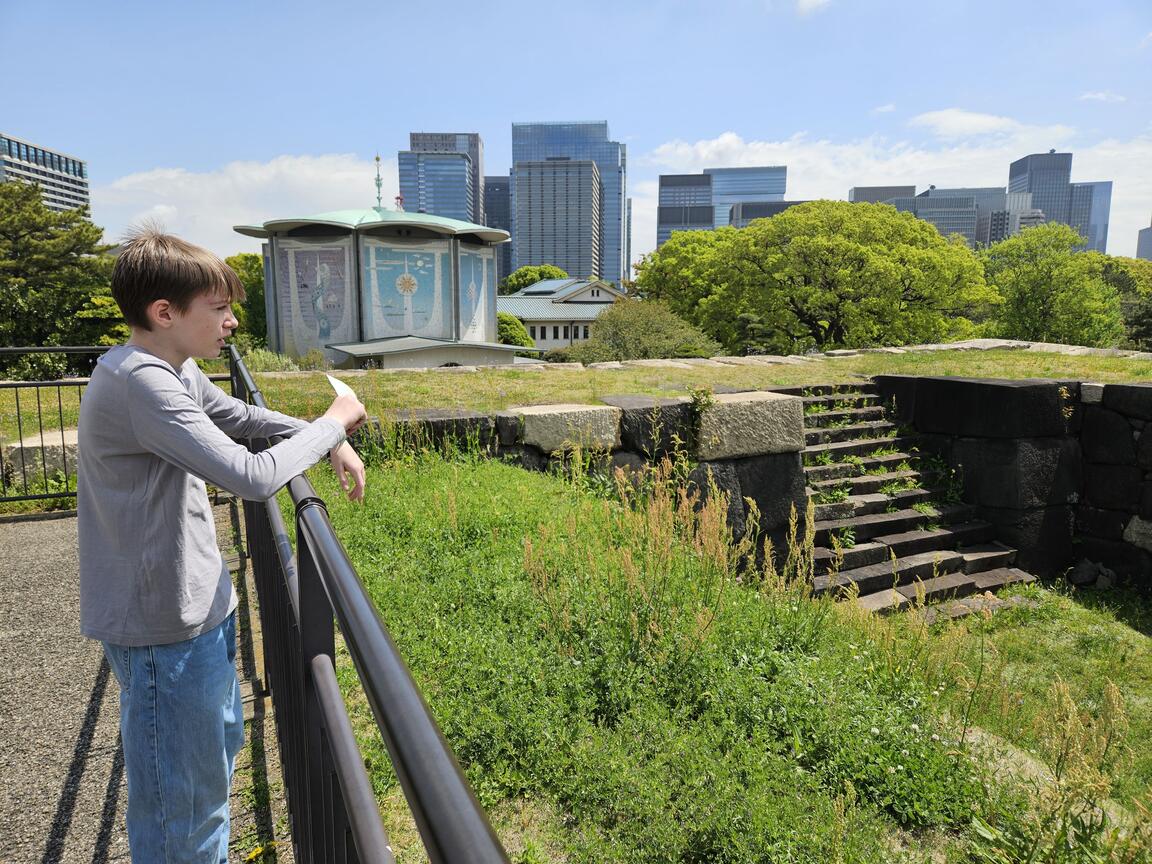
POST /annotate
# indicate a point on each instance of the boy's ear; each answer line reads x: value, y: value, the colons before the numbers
x: 160, y: 313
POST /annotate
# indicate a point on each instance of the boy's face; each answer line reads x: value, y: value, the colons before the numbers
x: 200, y: 331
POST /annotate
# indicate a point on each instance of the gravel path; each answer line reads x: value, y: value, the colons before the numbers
x: 63, y: 792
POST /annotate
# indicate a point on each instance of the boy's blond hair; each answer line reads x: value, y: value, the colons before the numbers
x: 155, y: 266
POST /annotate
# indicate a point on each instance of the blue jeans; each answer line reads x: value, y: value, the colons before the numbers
x: 181, y: 725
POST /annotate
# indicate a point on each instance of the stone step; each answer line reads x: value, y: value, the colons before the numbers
x: 991, y: 580
x: 842, y: 401
x: 827, y: 418
x: 985, y: 557
x: 868, y: 430
x: 866, y: 483
x: 813, y: 390
x: 965, y: 536
x: 949, y: 536
x: 869, y: 527
x: 918, y: 592
x: 986, y: 602
x: 891, y: 573
x: 869, y: 503
x: 842, y: 470
x: 863, y: 447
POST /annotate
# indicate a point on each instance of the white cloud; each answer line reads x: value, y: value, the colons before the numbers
x: 828, y: 169
x: 957, y: 124
x: 1102, y: 96
x: 203, y: 206
x: 884, y: 109
x: 806, y: 7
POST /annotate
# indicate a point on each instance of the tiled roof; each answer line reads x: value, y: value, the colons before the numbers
x: 545, y: 309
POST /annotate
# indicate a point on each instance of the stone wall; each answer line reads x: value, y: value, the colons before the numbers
x: 1114, y: 515
x: 746, y: 444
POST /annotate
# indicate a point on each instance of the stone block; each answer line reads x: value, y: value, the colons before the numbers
x: 1119, y: 556
x: 988, y: 408
x: 1132, y: 400
x: 558, y: 428
x: 1091, y: 393
x: 776, y: 483
x: 54, y: 451
x: 1146, y: 500
x: 1113, y: 487
x: 750, y: 424
x: 1138, y: 532
x: 1041, y: 536
x: 442, y: 427
x: 1144, y: 450
x: 722, y: 478
x: 898, y: 392
x: 652, y: 426
x: 1017, y: 473
x: 1101, y: 523
x: 1106, y: 437
x: 508, y: 427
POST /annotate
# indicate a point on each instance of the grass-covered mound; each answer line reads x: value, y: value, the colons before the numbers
x: 621, y: 687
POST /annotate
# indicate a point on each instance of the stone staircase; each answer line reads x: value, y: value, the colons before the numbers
x: 884, y: 532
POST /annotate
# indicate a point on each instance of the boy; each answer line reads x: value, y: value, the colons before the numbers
x: 153, y: 586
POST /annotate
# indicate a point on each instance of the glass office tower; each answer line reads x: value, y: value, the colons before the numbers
x: 955, y: 215
x: 457, y: 142
x: 737, y: 185
x: 1048, y: 177
x: 557, y: 215
x: 879, y: 194
x: 63, y: 180
x: 437, y: 183
x: 540, y: 142
x: 498, y: 211
x: 685, y: 204
x: 1094, y: 224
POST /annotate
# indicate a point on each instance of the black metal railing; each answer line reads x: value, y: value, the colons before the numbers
x: 334, y: 814
x: 38, y: 448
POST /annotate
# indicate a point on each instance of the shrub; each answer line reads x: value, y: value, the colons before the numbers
x: 263, y: 360
x: 642, y: 330
x: 512, y: 331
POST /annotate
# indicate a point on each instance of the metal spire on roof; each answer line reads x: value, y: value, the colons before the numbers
x: 379, y: 182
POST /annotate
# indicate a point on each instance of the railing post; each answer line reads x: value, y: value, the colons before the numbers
x: 317, y: 636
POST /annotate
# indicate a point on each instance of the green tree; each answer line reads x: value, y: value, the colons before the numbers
x: 529, y: 275
x: 54, y: 280
x: 252, y: 316
x: 1132, y: 279
x: 512, y: 331
x: 641, y: 330
x: 1051, y: 291
x: 826, y: 274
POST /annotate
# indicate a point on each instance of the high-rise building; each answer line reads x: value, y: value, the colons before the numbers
x: 879, y: 194
x: 557, y: 209
x: 457, y: 142
x: 956, y: 215
x: 748, y: 211
x: 1084, y: 206
x: 685, y: 204
x: 736, y: 185
x: 437, y: 183
x: 995, y: 207
x: 498, y: 211
x: 63, y: 179
x: 1144, y: 243
x: 577, y: 142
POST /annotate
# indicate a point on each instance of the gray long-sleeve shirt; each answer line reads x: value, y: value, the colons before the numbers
x: 149, y: 438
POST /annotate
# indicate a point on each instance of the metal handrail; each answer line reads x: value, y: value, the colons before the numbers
x: 320, y: 584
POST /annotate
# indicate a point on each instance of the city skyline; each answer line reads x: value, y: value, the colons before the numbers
x: 229, y: 141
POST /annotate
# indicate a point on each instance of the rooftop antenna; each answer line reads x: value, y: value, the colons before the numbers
x: 379, y: 182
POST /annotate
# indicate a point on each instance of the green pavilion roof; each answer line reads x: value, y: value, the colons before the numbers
x: 377, y: 217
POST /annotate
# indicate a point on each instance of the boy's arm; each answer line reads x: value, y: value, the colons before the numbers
x: 169, y: 422
x: 239, y: 419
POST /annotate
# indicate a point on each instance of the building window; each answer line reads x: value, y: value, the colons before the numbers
x: 585, y: 331
x: 555, y: 331
x: 532, y: 330
x: 565, y: 331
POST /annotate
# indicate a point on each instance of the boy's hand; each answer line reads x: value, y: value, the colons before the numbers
x: 348, y: 412
x: 349, y: 471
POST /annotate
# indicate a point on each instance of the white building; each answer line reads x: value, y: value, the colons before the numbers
x: 559, y: 312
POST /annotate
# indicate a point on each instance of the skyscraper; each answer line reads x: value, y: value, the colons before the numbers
x: 1084, y: 206
x: 437, y: 183
x: 63, y: 180
x: 498, y: 212
x: 685, y: 204
x: 736, y: 185
x: 457, y: 142
x: 879, y: 194
x: 995, y: 209
x: 576, y: 142
x: 557, y: 211
x: 1144, y: 243
x: 952, y: 215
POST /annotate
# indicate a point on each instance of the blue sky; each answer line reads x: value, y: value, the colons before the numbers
x: 211, y: 114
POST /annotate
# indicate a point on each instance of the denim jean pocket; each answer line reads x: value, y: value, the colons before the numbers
x: 120, y: 659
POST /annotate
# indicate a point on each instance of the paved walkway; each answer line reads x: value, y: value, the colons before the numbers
x: 62, y: 787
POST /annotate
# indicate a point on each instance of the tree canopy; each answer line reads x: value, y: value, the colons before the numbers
x: 641, y: 330
x: 1053, y: 292
x: 511, y: 331
x: 54, y: 279
x: 530, y: 274
x: 826, y: 274
x: 251, y: 314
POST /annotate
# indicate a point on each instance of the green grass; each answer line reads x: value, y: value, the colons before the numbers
x: 616, y: 693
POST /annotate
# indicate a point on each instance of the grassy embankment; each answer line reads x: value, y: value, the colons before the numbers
x: 617, y: 692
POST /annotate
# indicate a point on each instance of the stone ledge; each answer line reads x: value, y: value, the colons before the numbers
x: 553, y: 428
x: 736, y: 425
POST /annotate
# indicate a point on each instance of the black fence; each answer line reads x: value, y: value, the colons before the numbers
x: 333, y: 811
